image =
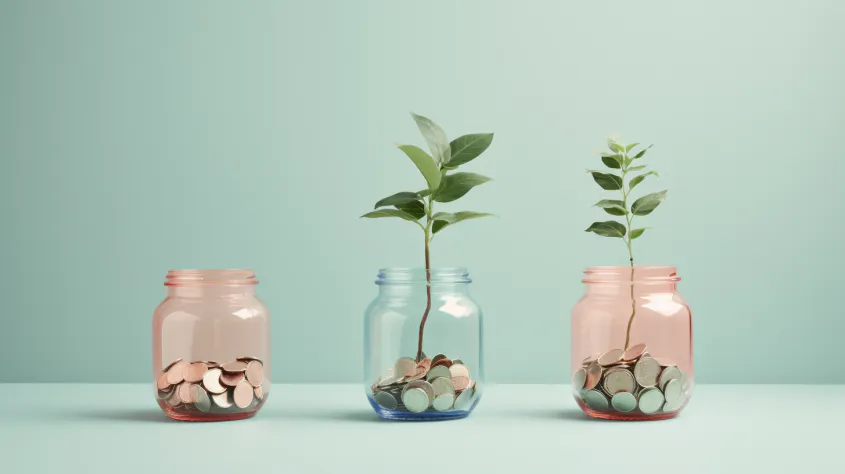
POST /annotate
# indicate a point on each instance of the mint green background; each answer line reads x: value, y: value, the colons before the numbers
x: 139, y: 137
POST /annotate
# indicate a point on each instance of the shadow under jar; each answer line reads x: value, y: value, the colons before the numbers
x: 211, y: 346
x: 422, y: 346
x: 632, y: 344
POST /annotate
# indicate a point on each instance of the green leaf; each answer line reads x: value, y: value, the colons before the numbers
x: 435, y: 137
x: 612, y: 161
x: 398, y: 198
x: 468, y: 147
x: 637, y: 168
x: 613, y: 207
x: 639, y: 179
x: 614, y: 146
x: 444, y: 219
x: 607, y: 181
x: 640, y: 154
x: 414, y: 208
x: 455, y: 185
x: 390, y: 213
x: 607, y: 229
x: 644, y: 205
x: 637, y: 232
x: 629, y: 147
x: 426, y: 165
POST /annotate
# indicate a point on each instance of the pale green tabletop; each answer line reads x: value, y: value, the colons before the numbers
x: 53, y: 428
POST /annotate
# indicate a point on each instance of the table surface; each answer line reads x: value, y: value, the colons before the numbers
x: 331, y: 428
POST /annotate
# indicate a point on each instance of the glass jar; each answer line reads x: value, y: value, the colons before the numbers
x: 211, y: 346
x: 422, y: 345
x: 632, y: 344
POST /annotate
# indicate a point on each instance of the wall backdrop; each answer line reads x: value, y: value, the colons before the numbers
x: 140, y: 137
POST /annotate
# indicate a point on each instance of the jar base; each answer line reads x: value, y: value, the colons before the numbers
x: 175, y: 415
x: 620, y: 416
x: 403, y: 415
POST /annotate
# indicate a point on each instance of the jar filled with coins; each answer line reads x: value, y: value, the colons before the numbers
x: 632, y: 344
x: 423, y: 345
x: 211, y: 346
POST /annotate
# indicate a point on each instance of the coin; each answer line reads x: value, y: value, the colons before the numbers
x: 672, y: 391
x: 234, y: 366
x: 231, y: 379
x: 425, y: 364
x: 223, y: 400
x: 439, y: 371
x: 211, y: 381
x: 457, y: 361
x: 163, y: 394
x: 200, y: 398
x: 651, y: 399
x: 579, y: 379
x: 460, y: 383
x: 596, y: 400
x: 405, y: 366
x: 610, y: 357
x: 436, y: 358
x: 646, y: 371
x: 634, y: 352
x: 593, y: 375
x: 669, y: 373
x: 171, y: 364
x: 255, y: 373
x: 243, y: 394
x: 194, y: 372
x: 618, y: 380
x: 386, y: 400
x: 175, y: 373
x: 186, y: 392
x: 444, y: 402
x: 162, y: 383
x: 415, y: 400
x: 463, y: 400
x: 624, y: 401
x: 589, y: 360
x: 259, y: 393
x: 442, y: 362
x: 442, y: 385
x: 421, y: 384
x: 459, y: 370
x: 173, y: 400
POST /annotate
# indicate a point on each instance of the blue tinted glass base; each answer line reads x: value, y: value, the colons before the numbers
x: 431, y: 415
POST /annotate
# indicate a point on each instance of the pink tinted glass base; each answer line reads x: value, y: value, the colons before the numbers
x: 617, y: 416
x: 181, y: 414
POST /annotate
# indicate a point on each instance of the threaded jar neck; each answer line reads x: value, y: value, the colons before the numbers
x: 417, y: 276
x: 202, y: 283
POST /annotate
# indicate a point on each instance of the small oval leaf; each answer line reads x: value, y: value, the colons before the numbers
x: 639, y: 179
x: 607, y: 229
x: 390, y: 213
x: 637, y: 232
x: 607, y: 181
x: 614, y: 146
x: 468, y: 147
x: 612, y: 206
x: 646, y: 204
x: 425, y: 163
x: 641, y: 153
x: 414, y: 208
x: 435, y: 137
x: 398, y: 198
x: 612, y: 161
x: 456, y: 185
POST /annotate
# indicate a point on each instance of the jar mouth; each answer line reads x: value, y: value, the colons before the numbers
x: 210, y: 277
x: 622, y: 273
x: 417, y: 275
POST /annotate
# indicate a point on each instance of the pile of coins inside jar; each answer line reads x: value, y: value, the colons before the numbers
x: 631, y: 381
x: 207, y: 386
x: 432, y: 384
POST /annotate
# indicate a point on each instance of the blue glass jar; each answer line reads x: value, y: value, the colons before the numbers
x: 423, y: 345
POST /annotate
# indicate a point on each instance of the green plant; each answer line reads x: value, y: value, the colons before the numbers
x: 620, y: 158
x: 444, y: 185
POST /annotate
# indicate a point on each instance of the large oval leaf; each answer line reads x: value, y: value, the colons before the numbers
x: 468, y: 147
x: 390, y: 213
x: 612, y: 206
x: 607, y: 181
x: 414, y: 208
x: 456, y: 185
x: 445, y: 219
x: 612, y: 161
x: 644, y: 205
x: 425, y: 163
x: 607, y: 229
x: 435, y: 137
x: 639, y: 179
x: 398, y: 198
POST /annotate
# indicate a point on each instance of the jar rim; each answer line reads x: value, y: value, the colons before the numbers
x: 622, y: 273
x: 211, y: 277
x: 404, y: 275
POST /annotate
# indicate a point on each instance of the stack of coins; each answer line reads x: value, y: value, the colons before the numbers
x: 631, y: 381
x: 207, y: 386
x: 432, y: 384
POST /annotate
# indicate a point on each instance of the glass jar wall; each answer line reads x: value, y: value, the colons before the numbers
x: 211, y: 346
x: 422, y: 345
x: 632, y: 344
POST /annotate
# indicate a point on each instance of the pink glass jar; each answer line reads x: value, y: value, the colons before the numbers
x: 632, y: 344
x: 211, y: 346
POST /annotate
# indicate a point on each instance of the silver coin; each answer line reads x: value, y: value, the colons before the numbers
x: 444, y: 402
x: 386, y: 400
x: 457, y: 361
x: 579, y: 379
x: 596, y: 400
x: 611, y: 357
x: 443, y: 385
x: 439, y: 371
x: 672, y: 392
x: 634, y: 352
x: 421, y: 384
x: 647, y: 371
x: 651, y: 400
x: 669, y: 373
x: 405, y: 366
x: 415, y: 400
x: 391, y: 380
x: 200, y: 398
x: 589, y: 360
x: 211, y: 381
x: 594, y: 372
x: 223, y: 400
x: 624, y: 401
x: 618, y: 380
x: 463, y: 400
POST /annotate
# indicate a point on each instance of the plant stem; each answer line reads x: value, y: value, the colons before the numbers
x: 628, y: 218
x: 427, y: 231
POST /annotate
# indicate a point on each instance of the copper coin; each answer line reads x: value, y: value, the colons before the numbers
x: 459, y: 370
x: 194, y: 372
x: 234, y: 366
x: 259, y: 393
x: 211, y: 381
x: 186, y: 393
x: 589, y: 360
x: 634, y: 352
x: 460, y: 382
x: 255, y: 373
x: 610, y: 357
x: 171, y: 365
x: 162, y: 383
x: 247, y: 359
x: 231, y: 379
x: 404, y: 367
x: 593, y: 376
x: 436, y: 358
x: 425, y: 363
x: 418, y: 375
x: 444, y: 362
x: 175, y: 374
x: 243, y: 394
x: 223, y: 400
